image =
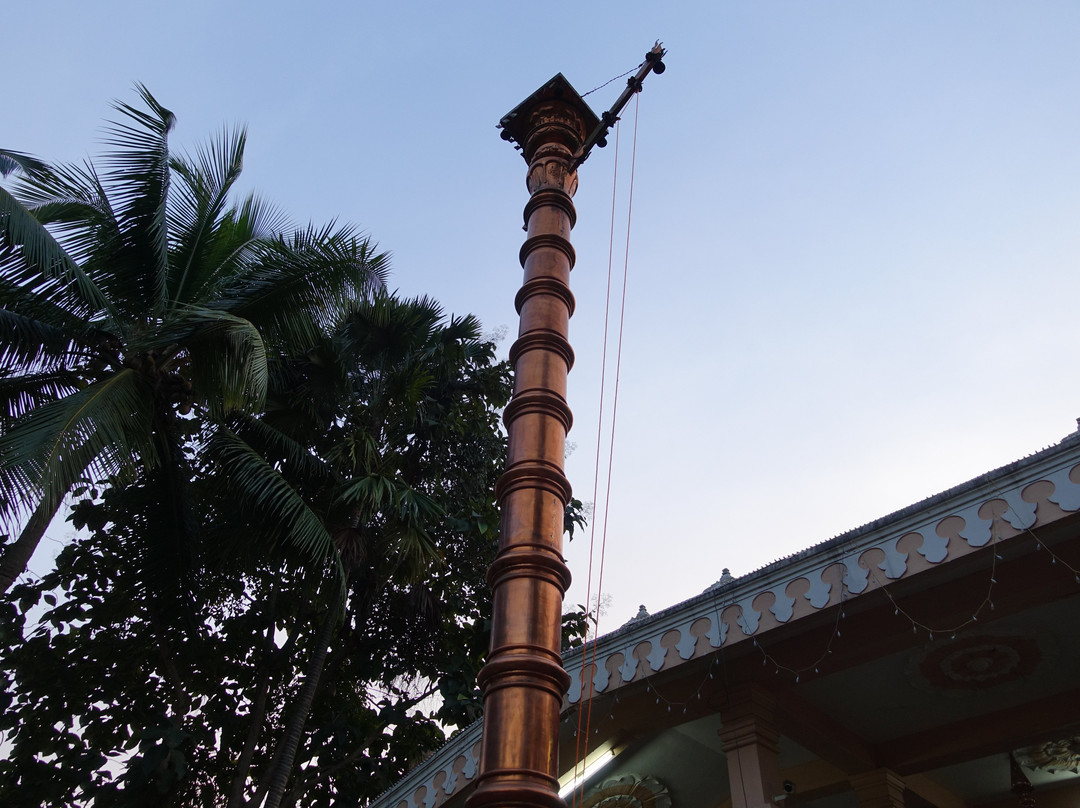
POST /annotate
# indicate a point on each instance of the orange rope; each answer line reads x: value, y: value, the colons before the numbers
x: 587, y: 707
x: 578, y: 757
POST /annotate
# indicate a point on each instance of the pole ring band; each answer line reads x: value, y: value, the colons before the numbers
x: 554, y: 197
x: 544, y: 340
x: 545, y: 286
x: 547, y: 240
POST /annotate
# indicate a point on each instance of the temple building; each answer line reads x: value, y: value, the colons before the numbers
x: 929, y: 658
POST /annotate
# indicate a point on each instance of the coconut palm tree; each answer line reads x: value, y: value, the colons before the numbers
x: 297, y: 683
x: 139, y: 304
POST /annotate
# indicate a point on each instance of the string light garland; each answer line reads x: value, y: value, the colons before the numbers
x: 798, y: 673
x: 917, y: 625
x: 633, y: 69
x: 660, y: 699
x: 814, y: 666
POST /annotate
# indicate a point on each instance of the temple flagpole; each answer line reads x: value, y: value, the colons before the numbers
x: 524, y: 681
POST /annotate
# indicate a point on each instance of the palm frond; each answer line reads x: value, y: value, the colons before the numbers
x: 385, y: 329
x: 376, y: 496
x: 415, y: 552
x: 227, y: 354
x: 294, y: 459
x: 356, y: 453
x: 28, y: 344
x: 67, y: 196
x: 21, y: 393
x: 197, y: 204
x: 138, y: 182
x: 31, y: 258
x: 239, y: 235
x: 104, y: 428
x: 372, y: 494
x: 301, y: 287
x: 415, y: 508
x: 465, y: 331
x: 259, y: 220
x: 15, y: 161
x: 72, y: 203
x: 18, y: 498
x: 305, y: 393
x: 267, y: 496
x: 413, y: 546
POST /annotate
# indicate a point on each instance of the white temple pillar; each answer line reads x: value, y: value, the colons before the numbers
x: 750, y: 740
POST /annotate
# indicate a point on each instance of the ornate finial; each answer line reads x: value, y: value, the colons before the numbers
x: 725, y: 578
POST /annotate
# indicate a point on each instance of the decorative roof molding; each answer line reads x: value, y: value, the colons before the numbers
x: 1029, y: 493
x: 447, y: 771
x: 1032, y: 493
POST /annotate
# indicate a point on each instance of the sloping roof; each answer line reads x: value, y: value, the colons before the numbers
x: 993, y: 508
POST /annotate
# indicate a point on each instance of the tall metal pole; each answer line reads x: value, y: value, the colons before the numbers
x: 523, y: 681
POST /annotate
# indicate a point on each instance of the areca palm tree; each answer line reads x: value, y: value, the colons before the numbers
x: 384, y: 434
x: 135, y: 294
x: 357, y: 431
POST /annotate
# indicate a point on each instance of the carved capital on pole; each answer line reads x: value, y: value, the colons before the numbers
x: 550, y: 127
x: 551, y: 169
x: 523, y: 681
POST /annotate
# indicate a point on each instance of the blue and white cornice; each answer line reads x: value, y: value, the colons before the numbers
x: 998, y: 506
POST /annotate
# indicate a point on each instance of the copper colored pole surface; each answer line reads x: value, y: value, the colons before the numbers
x: 523, y: 681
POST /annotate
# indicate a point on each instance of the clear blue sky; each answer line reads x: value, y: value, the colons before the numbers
x: 854, y: 261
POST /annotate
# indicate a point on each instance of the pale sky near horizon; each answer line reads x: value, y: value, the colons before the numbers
x: 854, y: 263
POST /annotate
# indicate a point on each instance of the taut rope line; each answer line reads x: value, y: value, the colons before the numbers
x: 586, y: 708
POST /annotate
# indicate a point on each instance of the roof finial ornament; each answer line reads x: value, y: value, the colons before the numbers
x: 726, y: 579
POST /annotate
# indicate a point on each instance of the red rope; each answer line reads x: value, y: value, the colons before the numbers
x: 578, y: 757
x: 587, y: 707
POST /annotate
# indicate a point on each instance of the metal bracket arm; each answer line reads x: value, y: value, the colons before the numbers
x: 598, y: 137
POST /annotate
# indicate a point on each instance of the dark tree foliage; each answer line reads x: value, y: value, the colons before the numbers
x: 107, y: 699
x: 276, y: 595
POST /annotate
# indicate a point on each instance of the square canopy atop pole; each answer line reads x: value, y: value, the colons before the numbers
x: 518, y: 123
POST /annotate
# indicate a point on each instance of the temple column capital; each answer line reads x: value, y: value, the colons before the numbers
x: 750, y: 742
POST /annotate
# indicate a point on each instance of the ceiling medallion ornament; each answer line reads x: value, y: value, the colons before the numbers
x: 975, y: 663
x: 1052, y: 756
x: 628, y: 791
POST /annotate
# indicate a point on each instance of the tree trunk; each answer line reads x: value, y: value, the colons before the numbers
x: 258, y: 709
x: 17, y: 554
x: 258, y: 715
x: 286, y: 753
